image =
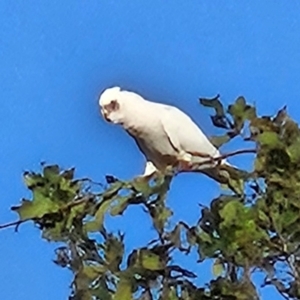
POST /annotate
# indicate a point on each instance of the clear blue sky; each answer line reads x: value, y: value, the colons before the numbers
x: 57, y: 56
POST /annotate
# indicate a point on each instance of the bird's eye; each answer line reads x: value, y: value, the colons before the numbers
x: 113, y: 105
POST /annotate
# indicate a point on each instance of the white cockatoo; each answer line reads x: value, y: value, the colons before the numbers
x: 165, y: 134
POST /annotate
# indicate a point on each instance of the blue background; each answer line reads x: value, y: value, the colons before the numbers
x: 57, y: 56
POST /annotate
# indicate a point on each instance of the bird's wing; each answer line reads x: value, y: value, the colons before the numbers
x: 184, y: 134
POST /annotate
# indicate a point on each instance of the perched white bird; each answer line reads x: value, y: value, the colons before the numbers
x: 165, y: 134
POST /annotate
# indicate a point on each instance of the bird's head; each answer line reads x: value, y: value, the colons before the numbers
x: 110, y: 104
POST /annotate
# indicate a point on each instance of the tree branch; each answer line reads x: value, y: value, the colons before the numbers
x: 224, y: 156
x: 15, y: 223
x: 69, y: 205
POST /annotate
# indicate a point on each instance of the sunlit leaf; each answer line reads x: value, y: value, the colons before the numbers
x: 119, y: 205
x: 270, y: 139
x: 123, y: 290
x: 150, y: 260
x: 113, y: 252
x: 160, y: 215
x: 217, y: 268
x: 37, y: 208
x: 230, y: 212
x: 33, y: 180
x: 219, y: 141
x: 175, y: 236
x: 93, y: 272
x: 51, y: 172
x: 140, y: 184
x: 205, y: 237
x: 113, y: 189
x: 293, y: 150
x: 97, y: 222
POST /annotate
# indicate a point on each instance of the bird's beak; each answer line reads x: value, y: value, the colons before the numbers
x: 104, y: 113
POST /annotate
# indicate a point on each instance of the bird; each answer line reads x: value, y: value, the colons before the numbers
x: 166, y: 135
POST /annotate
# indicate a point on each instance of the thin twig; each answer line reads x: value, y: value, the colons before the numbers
x: 224, y: 156
x: 69, y: 205
x: 237, y: 152
x: 79, y: 201
x: 16, y: 223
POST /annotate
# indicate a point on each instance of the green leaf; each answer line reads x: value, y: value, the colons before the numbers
x: 111, y: 203
x: 269, y: 139
x: 263, y: 217
x: 293, y: 151
x: 113, y: 252
x: 290, y: 131
x: 170, y: 293
x: 214, y: 103
x: 219, y: 120
x: 231, y: 212
x: 219, y: 141
x: 240, y: 112
x: 124, y: 291
x: 56, y: 232
x: 119, y: 205
x: 208, y: 250
x: 92, y: 272
x: 37, y: 208
x: 205, y: 237
x: 97, y: 222
x: 51, y: 172
x: 140, y: 184
x: 218, y: 268
x: 290, y: 217
x: 150, y: 260
x: 259, y: 163
x: 278, y: 160
x: 113, y: 190
x: 237, y: 110
x: 74, y: 212
x: 250, y: 113
x: 68, y: 186
x: 160, y: 215
x: 175, y: 236
x: 32, y: 180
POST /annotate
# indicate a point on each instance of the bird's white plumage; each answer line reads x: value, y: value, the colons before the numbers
x: 165, y: 134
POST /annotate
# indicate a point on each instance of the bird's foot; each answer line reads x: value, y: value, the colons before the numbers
x: 184, y: 166
x: 206, y: 160
x: 200, y: 154
x: 183, y: 162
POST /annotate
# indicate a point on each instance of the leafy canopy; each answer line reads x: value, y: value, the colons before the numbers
x: 254, y: 226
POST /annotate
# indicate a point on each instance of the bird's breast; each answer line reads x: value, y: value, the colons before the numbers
x: 155, y: 144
